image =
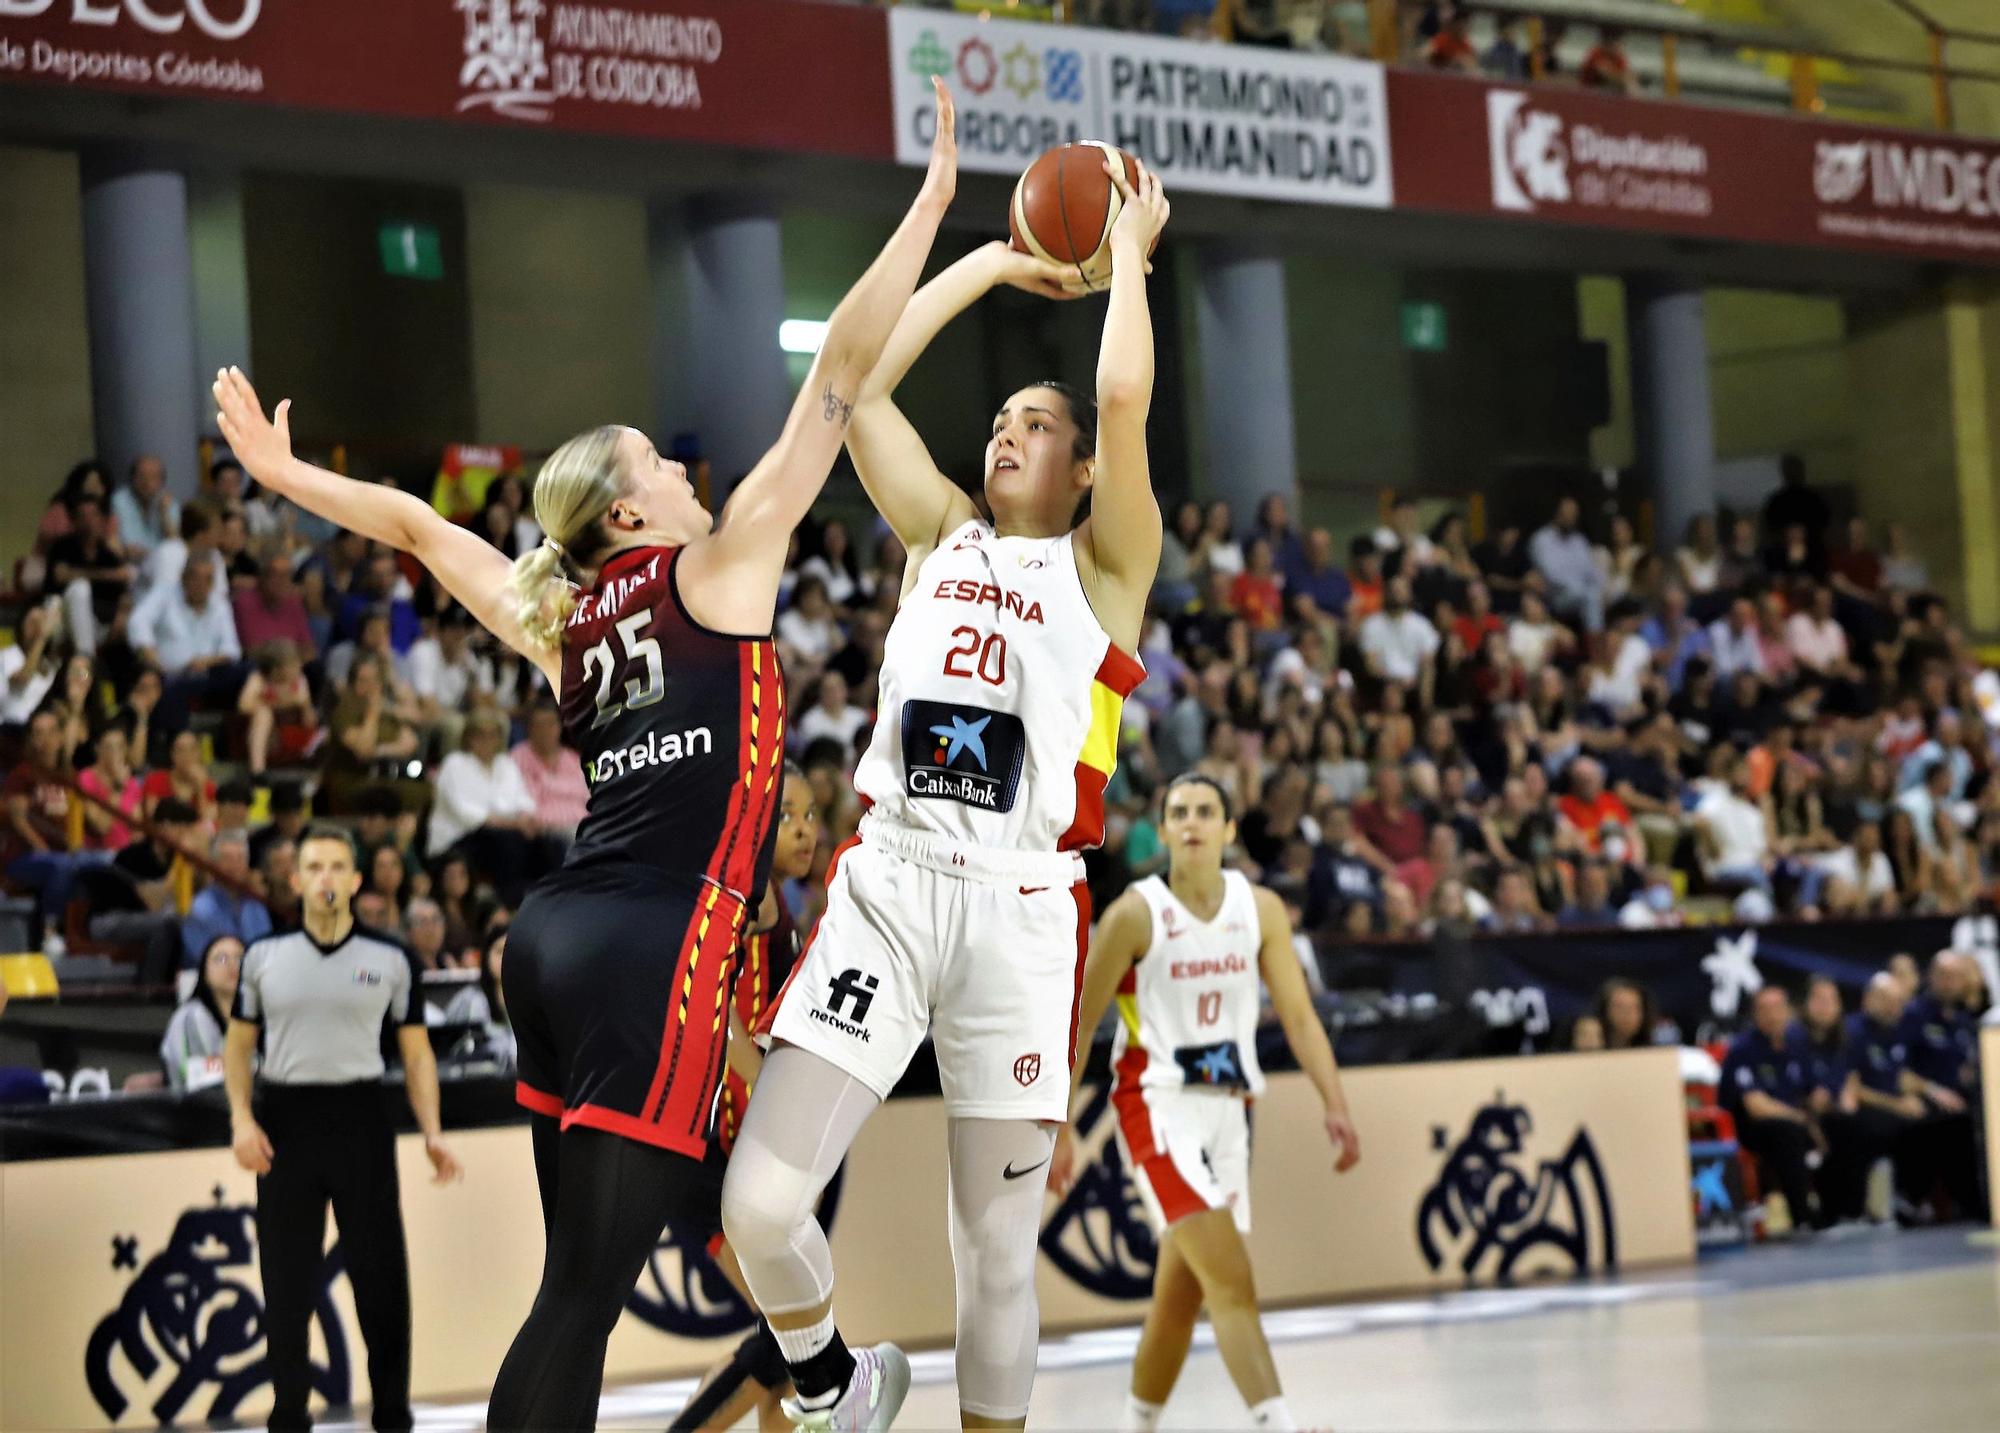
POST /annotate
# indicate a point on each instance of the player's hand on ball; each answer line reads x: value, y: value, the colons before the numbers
x: 1062, y: 1163
x: 941, y: 180
x: 1340, y: 1129
x: 262, y: 445
x: 1142, y: 216
x: 1041, y: 277
x: 445, y: 1168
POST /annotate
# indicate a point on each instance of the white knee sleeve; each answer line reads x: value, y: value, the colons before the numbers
x: 803, y: 1117
x: 998, y: 1171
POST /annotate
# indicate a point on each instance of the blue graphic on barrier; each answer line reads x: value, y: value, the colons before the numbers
x: 1492, y: 1214
x: 682, y: 1291
x: 1098, y: 1234
x: 1711, y: 1188
x: 185, y: 1307
x: 1064, y: 80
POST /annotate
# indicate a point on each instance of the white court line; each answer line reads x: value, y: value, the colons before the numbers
x: 1094, y: 1348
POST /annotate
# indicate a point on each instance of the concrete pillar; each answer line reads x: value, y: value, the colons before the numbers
x: 1245, y: 378
x: 718, y: 283
x: 221, y: 282
x: 139, y: 286
x: 1672, y: 413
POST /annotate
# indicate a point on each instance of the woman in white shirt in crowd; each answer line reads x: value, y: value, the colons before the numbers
x: 1533, y: 638
x: 1699, y: 561
x: 1619, y: 559
x: 28, y: 668
x: 831, y: 715
x: 1223, y: 553
x: 483, y: 809
x: 191, y: 1050
x: 808, y: 631
x: 838, y: 567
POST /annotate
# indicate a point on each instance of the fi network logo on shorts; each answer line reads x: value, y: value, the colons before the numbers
x: 1530, y: 153
x: 853, y: 989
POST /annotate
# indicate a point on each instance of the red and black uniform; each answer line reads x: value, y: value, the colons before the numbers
x: 619, y: 965
x: 768, y: 957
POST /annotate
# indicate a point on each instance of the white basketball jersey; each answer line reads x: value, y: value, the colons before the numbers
x: 1188, y: 1007
x: 997, y: 719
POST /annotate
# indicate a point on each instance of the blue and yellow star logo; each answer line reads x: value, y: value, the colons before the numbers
x: 962, y: 735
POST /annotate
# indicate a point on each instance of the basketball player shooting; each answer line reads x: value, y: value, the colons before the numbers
x: 960, y: 908
x: 1183, y: 956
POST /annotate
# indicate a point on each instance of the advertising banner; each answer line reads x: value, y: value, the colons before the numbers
x: 1703, y: 975
x: 1219, y: 119
x: 133, y: 1293
x: 1566, y: 156
x: 760, y: 74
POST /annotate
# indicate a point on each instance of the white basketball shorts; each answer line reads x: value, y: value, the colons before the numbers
x: 1188, y: 1150
x: 983, y: 950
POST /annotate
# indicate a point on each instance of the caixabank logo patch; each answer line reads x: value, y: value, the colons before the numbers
x: 1499, y: 1211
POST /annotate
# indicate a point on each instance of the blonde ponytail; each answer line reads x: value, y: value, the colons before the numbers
x: 575, y: 488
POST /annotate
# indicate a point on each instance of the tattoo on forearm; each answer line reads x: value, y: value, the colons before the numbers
x: 835, y: 408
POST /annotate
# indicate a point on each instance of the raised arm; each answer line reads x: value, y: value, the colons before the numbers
x: 1121, y: 938
x: 472, y: 569
x: 915, y: 499
x: 734, y: 572
x: 1121, y: 498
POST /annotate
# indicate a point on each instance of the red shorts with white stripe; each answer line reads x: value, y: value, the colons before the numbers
x: 1188, y: 1150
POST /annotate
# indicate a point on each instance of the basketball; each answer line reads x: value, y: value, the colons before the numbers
x: 1064, y: 207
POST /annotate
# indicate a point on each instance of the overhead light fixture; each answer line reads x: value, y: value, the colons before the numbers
x: 801, y: 335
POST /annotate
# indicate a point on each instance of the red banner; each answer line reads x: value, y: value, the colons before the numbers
x: 761, y: 74
x: 1565, y: 156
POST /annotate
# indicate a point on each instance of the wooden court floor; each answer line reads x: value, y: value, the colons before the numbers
x: 1897, y: 1331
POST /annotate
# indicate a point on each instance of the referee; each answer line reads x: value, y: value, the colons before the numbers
x: 321, y: 997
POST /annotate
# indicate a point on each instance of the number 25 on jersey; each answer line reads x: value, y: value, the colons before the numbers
x: 641, y: 689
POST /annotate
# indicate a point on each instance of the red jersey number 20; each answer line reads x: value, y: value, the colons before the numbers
x: 976, y: 654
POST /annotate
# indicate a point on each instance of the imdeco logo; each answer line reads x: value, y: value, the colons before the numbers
x: 1840, y: 171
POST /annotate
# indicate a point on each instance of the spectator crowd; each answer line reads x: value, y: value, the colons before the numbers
x: 1425, y: 731
x: 1515, y: 45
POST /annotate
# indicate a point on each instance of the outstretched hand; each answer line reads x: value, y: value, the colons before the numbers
x: 941, y: 180
x: 262, y: 445
x: 1143, y: 214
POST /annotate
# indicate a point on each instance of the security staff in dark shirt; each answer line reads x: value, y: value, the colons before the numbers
x: 1824, y: 1034
x: 1767, y: 1086
x: 1878, y: 1110
x: 321, y: 1133
x: 1943, y: 1039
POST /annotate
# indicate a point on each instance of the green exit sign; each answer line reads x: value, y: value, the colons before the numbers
x: 411, y: 251
x: 1424, y: 327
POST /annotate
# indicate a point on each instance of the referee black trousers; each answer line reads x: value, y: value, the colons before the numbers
x: 332, y: 1144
